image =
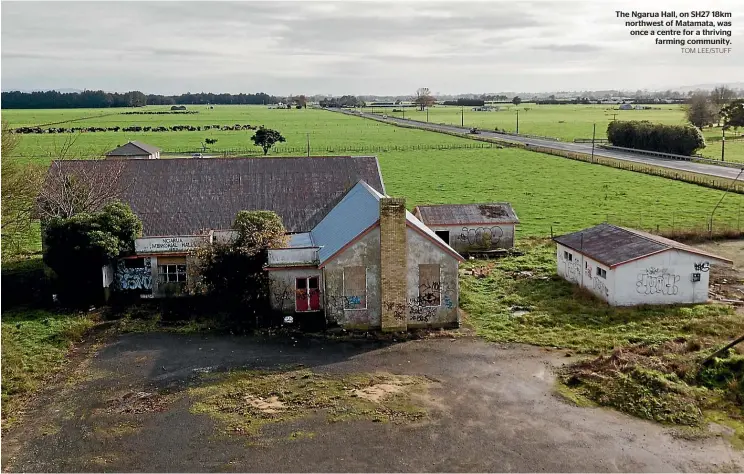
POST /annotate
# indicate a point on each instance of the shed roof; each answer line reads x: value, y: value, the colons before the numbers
x: 184, y: 196
x: 485, y: 213
x: 134, y: 148
x: 613, y: 245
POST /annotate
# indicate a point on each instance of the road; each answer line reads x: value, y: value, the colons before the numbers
x: 686, y: 166
x: 491, y: 407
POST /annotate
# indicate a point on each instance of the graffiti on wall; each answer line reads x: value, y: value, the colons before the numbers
x: 138, y: 278
x: 599, y: 286
x: 588, y: 271
x: 657, y: 281
x: 702, y: 267
x: 481, y: 236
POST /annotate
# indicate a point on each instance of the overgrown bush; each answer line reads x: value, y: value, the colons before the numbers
x: 77, y: 248
x: 232, y: 272
x: 644, y: 135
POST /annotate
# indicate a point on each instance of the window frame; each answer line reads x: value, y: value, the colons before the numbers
x: 568, y: 255
x: 307, y: 293
x: 164, y: 277
x: 439, y: 290
x: 343, y: 287
x: 601, y: 272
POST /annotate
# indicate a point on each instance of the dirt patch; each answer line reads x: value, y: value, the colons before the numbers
x: 138, y: 402
x: 726, y: 281
x: 270, y: 405
x: 244, y: 401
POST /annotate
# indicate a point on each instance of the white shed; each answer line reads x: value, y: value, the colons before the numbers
x: 628, y: 267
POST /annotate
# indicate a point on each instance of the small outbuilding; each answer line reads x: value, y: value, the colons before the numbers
x: 471, y: 228
x: 134, y: 150
x: 628, y: 267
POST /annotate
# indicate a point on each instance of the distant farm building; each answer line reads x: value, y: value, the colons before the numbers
x: 135, y: 150
x: 471, y: 228
x: 625, y: 107
x: 630, y: 267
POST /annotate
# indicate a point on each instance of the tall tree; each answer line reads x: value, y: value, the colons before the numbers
x: 516, y: 100
x: 720, y: 97
x: 700, y: 111
x: 266, y: 138
x: 733, y: 114
x: 423, y: 98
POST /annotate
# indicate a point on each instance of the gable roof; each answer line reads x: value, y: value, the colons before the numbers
x: 486, y: 213
x: 183, y: 196
x: 356, y: 214
x: 613, y: 245
x: 134, y: 148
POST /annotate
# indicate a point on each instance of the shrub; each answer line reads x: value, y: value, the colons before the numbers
x: 676, y: 139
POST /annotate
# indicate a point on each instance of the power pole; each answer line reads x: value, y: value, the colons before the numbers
x: 462, y: 116
x: 594, y: 134
x: 517, y: 121
x: 723, y: 142
x: 427, y: 115
x: 308, y: 144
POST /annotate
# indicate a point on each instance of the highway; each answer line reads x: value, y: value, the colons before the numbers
x: 686, y: 166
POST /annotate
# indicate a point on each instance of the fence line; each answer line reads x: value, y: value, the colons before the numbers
x: 332, y: 149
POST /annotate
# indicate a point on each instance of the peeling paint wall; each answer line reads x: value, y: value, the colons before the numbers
x: 421, y: 313
x: 473, y: 237
x: 366, y: 253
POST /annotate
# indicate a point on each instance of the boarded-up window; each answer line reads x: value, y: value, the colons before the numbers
x: 355, y: 288
x: 430, y: 288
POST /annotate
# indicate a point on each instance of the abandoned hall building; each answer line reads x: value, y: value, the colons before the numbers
x: 354, y: 254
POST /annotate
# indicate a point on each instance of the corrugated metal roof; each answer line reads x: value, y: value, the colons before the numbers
x: 485, y: 213
x: 302, y: 239
x: 613, y: 245
x: 183, y: 196
x: 356, y: 212
x: 134, y: 148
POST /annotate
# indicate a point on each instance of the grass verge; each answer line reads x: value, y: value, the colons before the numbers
x: 35, y: 344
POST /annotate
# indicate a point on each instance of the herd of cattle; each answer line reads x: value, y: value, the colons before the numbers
x: 136, y: 128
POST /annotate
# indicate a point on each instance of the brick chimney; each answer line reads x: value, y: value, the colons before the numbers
x: 393, y: 264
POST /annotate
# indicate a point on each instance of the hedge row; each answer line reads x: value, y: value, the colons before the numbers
x: 644, y: 135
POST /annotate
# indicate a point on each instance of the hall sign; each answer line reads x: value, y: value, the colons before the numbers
x: 168, y: 244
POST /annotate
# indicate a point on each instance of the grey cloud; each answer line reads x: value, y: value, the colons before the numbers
x: 570, y: 48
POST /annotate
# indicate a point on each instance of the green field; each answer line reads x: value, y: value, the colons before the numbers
x: 547, y: 192
x: 569, y: 122
x: 329, y: 133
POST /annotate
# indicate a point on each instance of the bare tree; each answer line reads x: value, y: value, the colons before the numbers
x: 700, y: 111
x: 20, y: 184
x: 73, y: 186
x: 720, y: 97
x: 423, y: 98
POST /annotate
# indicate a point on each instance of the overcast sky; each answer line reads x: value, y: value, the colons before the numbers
x: 349, y: 47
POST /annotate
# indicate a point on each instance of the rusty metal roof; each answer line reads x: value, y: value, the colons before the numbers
x: 184, y: 196
x: 486, y: 213
x: 613, y: 245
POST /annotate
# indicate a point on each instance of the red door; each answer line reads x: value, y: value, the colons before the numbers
x: 314, y: 293
x: 301, y: 295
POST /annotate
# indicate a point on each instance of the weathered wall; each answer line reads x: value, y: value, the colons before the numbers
x: 663, y: 278
x: 583, y: 272
x: 465, y: 238
x: 139, y: 279
x: 282, y: 287
x: 365, y: 252
x: 420, y: 312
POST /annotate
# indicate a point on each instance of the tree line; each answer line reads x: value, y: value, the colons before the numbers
x: 101, y: 99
